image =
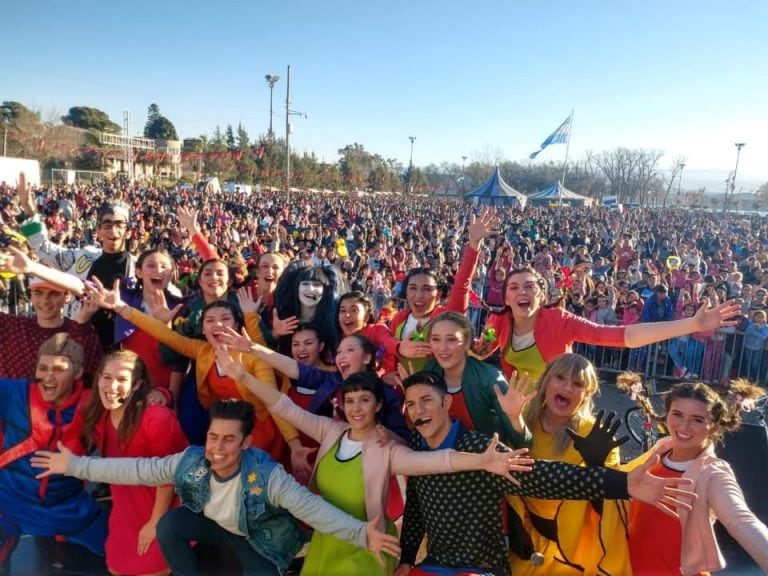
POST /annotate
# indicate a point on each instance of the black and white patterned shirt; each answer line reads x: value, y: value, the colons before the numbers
x: 462, y: 513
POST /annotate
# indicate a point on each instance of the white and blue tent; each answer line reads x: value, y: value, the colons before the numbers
x: 496, y: 192
x: 559, y: 194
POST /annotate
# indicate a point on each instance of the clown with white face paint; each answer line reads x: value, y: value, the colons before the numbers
x: 307, y: 293
x: 310, y: 294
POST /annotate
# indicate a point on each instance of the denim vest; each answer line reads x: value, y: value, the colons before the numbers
x: 272, y: 531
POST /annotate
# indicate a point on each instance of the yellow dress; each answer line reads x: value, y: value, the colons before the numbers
x: 586, y: 542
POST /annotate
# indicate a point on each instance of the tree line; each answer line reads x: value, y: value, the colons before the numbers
x: 633, y: 175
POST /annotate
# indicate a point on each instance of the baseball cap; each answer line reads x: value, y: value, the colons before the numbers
x: 36, y: 283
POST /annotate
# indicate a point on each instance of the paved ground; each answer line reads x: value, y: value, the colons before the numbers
x: 44, y: 557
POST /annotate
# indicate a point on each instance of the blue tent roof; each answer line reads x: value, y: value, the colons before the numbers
x: 556, y: 193
x: 496, y: 192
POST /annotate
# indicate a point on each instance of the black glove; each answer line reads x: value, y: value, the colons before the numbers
x: 595, y: 446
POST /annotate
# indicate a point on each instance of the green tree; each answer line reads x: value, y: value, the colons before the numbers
x: 153, y: 114
x: 243, y: 142
x: 158, y: 126
x: 229, y: 138
x: 90, y: 119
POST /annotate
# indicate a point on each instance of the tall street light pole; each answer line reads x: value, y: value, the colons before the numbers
x: 680, y: 179
x: 271, y: 80
x: 288, y: 114
x: 463, y: 174
x: 410, y: 164
x: 739, y: 146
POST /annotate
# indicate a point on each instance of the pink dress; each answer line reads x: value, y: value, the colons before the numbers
x: 158, y: 434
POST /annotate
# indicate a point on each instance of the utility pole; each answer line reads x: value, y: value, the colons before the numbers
x: 739, y: 146
x: 271, y: 80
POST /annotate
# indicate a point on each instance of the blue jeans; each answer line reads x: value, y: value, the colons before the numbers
x: 181, y: 526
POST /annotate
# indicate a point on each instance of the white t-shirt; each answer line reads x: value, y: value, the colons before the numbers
x: 223, y: 507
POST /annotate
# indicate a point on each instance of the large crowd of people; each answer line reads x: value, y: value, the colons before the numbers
x: 386, y: 370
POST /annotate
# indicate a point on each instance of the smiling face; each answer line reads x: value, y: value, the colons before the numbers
x: 214, y: 280
x: 55, y: 378
x: 112, y: 232
x: 690, y: 427
x: 270, y: 268
x: 224, y: 445
x: 421, y: 294
x: 115, y: 384
x: 429, y: 412
x: 48, y: 305
x: 306, y: 347
x: 214, y: 319
x: 310, y: 293
x: 350, y: 357
x: 523, y: 295
x: 449, y: 344
x: 353, y: 315
x: 360, y: 409
x: 155, y: 271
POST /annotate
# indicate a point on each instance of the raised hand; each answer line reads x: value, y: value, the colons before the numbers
x: 379, y: 541
x: 502, y: 463
x: 283, y: 327
x: 233, y: 339
x: 51, y: 462
x: 25, y: 196
x: 597, y: 445
x: 667, y: 494
x: 188, y: 219
x: 14, y: 261
x: 245, y: 299
x: 96, y: 293
x: 519, y: 393
x: 482, y: 225
x: 158, y: 305
x: 231, y: 367
x: 714, y: 317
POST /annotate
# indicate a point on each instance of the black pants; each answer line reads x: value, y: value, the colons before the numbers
x: 180, y: 527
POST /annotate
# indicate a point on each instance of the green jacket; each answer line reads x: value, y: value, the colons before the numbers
x: 477, y: 383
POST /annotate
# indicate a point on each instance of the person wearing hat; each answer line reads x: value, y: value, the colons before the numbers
x: 40, y: 411
x: 109, y: 262
x: 20, y: 334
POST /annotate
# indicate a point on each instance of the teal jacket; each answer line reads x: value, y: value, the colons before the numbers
x: 477, y: 383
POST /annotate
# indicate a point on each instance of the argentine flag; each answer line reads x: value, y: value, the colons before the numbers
x: 559, y: 136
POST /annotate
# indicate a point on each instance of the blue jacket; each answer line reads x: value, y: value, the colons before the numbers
x: 272, y: 531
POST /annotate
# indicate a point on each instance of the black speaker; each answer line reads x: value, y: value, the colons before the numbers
x: 746, y: 450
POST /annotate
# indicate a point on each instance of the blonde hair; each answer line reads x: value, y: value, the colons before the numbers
x: 577, y: 368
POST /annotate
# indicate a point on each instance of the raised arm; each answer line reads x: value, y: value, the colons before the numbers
x: 123, y: 471
x: 706, y: 318
x: 235, y: 341
x: 19, y: 263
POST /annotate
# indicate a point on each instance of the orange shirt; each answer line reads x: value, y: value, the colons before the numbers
x: 655, y: 539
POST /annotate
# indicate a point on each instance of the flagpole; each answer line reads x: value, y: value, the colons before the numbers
x: 567, y: 148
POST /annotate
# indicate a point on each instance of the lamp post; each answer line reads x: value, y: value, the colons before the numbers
x: 288, y: 114
x: 271, y: 80
x: 739, y: 146
x: 463, y: 174
x: 410, y: 165
x: 680, y: 179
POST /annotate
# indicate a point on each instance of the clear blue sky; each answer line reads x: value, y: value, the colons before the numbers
x: 466, y: 78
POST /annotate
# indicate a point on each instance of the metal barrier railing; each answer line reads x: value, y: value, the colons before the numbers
x: 716, y: 359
